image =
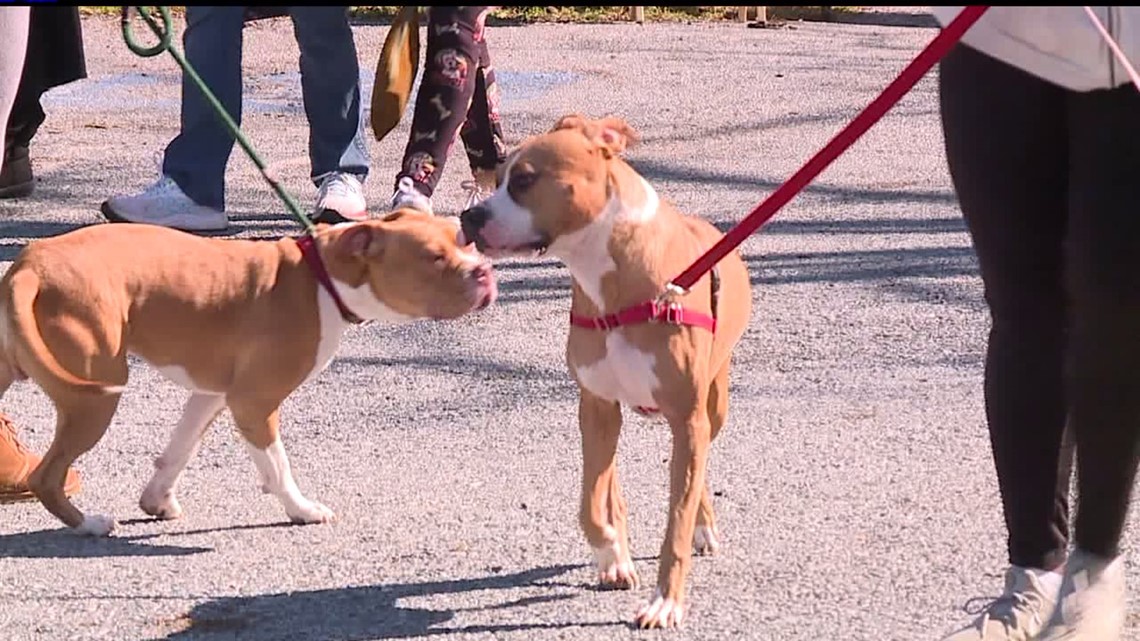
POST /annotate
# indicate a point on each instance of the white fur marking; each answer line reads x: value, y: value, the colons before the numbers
x: 332, y: 330
x: 705, y: 540
x: 274, y: 470
x: 180, y: 377
x: 586, y: 251
x: 96, y: 525
x: 362, y: 301
x: 625, y: 374
x: 660, y: 612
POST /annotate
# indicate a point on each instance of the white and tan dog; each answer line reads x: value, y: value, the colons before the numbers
x: 570, y: 193
x: 240, y: 323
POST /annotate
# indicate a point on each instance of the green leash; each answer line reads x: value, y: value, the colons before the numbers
x: 163, y: 32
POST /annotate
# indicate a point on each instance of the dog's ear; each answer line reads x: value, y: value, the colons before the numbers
x: 615, y: 134
x: 571, y: 121
x: 362, y: 241
x: 612, y: 134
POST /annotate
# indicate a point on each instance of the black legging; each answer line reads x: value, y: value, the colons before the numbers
x: 457, y: 94
x: 1049, y: 183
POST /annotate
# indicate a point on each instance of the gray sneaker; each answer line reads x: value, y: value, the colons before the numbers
x: 406, y: 195
x: 1092, y: 602
x: 1017, y: 615
x: 340, y: 198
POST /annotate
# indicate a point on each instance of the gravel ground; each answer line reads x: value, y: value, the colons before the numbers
x: 853, y: 482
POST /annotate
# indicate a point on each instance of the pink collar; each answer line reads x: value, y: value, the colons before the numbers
x: 647, y: 312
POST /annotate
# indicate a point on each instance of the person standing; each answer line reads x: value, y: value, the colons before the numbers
x: 1042, y: 137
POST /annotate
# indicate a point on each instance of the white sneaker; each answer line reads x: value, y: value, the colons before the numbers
x: 476, y: 193
x: 1017, y: 615
x: 406, y: 195
x: 340, y: 198
x: 164, y: 204
x: 1093, y: 600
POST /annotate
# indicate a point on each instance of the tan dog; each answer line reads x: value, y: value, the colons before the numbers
x: 570, y: 193
x: 240, y: 323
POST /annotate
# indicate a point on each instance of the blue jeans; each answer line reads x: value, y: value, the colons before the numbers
x: 330, y: 86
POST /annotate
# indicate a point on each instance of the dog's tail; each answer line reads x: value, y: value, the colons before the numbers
x: 25, y: 286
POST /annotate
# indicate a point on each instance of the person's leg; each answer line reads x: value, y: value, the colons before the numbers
x: 482, y: 132
x: 190, y: 195
x: 330, y: 85
x: 13, y: 49
x: 1007, y: 156
x: 1103, y: 275
x: 196, y: 159
x: 54, y: 57
x: 446, y: 89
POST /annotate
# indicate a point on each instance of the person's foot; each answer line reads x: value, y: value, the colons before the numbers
x: 164, y: 203
x: 1019, y: 613
x: 480, y: 187
x: 406, y: 195
x: 1092, y: 602
x: 16, y: 179
x: 340, y: 199
x: 17, y: 464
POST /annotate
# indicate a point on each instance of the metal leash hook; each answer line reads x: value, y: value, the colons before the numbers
x: 163, y: 32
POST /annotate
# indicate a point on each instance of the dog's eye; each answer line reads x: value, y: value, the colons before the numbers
x: 521, y: 181
x: 440, y: 260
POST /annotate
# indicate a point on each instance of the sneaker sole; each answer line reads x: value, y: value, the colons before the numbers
x: 110, y: 214
x: 334, y: 217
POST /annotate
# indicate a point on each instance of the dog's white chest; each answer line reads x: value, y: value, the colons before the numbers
x: 332, y: 329
x: 625, y: 374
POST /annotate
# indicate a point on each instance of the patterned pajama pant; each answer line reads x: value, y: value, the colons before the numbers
x: 457, y: 98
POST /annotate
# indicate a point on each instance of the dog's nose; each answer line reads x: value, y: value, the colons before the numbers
x: 482, y: 273
x: 474, y: 218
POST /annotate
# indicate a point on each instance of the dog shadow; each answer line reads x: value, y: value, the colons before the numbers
x: 63, y: 544
x: 357, y: 613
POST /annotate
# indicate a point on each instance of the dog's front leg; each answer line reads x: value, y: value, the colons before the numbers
x: 687, y: 483
x: 603, y: 511
x: 259, y: 426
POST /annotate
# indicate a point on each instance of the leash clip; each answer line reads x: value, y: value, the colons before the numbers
x: 668, y: 313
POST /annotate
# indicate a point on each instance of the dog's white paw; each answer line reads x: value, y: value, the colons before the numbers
x: 615, y: 568
x: 162, y: 505
x: 706, y: 540
x: 96, y: 525
x: 311, y: 513
x: 660, y: 612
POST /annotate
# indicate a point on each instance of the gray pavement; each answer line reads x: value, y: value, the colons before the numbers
x: 853, y: 482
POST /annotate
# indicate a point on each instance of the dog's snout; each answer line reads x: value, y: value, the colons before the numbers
x: 482, y: 273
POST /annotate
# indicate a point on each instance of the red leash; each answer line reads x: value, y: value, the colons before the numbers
x: 894, y: 92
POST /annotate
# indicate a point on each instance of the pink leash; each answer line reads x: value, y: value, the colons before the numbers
x: 927, y: 58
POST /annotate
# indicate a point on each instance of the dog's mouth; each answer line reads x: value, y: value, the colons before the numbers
x: 533, y: 249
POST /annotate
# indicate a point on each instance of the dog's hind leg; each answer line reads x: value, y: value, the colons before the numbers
x: 257, y: 421
x: 81, y: 421
x: 159, y: 499
x: 603, y: 512
x: 706, y: 537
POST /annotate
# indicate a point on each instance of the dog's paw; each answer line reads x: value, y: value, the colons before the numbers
x: 706, y: 540
x: 96, y: 525
x: 660, y: 612
x: 311, y: 513
x: 615, y: 568
x: 162, y: 505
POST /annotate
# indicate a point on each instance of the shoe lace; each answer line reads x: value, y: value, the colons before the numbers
x: 1000, y: 608
x: 8, y: 433
x: 476, y: 193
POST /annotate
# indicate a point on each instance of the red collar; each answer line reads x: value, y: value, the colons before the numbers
x: 313, y: 258
x: 647, y: 312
